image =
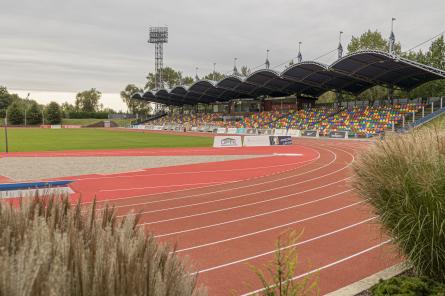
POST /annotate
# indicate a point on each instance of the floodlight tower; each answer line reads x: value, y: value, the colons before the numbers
x: 158, y: 36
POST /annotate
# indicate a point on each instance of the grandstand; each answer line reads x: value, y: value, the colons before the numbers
x: 300, y: 85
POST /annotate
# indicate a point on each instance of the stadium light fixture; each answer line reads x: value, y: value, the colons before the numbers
x: 158, y: 36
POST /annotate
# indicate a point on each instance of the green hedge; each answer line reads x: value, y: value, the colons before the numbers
x: 404, y: 285
x: 82, y: 115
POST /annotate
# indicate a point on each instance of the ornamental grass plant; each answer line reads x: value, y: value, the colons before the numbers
x: 403, y: 178
x: 50, y: 247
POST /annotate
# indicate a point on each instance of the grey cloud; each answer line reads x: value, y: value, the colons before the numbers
x: 74, y: 45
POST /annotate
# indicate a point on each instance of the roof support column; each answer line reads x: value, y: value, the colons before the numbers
x: 391, y: 93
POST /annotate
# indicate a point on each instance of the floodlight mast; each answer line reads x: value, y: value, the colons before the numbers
x: 158, y: 36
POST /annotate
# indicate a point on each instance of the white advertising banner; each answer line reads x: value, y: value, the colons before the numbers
x: 221, y: 130
x: 294, y: 133
x: 256, y: 141
x: 231, y: 130
x: 227, y: 141
x: 280, y: 132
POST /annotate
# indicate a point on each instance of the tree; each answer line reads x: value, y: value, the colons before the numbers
x: 5, y: 98
x: 371, y: 40
x: 68, y: 108
x: 435, y: 57
x: 244, y: 71
x: 15, y: 114
x: 135, y: 106
x: 214, y: 76
x: 34, y: 114
x: 170, y: 77
x: 53, y: 113
x: 88, y: 100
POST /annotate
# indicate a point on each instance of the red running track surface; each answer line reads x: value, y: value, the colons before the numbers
x: 226, y: 216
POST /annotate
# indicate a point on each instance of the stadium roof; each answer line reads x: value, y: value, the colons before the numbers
x: 353, y: 73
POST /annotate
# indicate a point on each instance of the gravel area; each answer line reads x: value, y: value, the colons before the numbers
x: 31, y: 168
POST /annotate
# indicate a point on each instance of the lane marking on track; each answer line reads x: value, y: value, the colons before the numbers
x: 287, y: 154
x: 244, y: 195
x: 327, y: 265
x: 229, y: 189
x: 287, y: 247
x: 271, y: 228
x: 241, y: 195
x: 306, y: 162
x: 163, y: 186
x: 236, y: 207
x: 261, y: 214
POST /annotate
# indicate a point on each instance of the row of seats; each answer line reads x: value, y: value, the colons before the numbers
x: 360, y: 121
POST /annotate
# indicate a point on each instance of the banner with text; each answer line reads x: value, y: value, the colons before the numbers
x: 338, y: 134
x: 280, y: 140
x: 227, y: 141
x: 310, y: 133
x: 256, y: 141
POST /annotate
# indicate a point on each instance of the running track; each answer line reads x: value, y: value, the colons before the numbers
x: 226, y: 216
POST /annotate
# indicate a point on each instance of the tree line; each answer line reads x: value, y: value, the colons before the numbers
x: 20, y: 111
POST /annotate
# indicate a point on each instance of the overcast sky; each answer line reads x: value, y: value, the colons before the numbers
x: 66, y: 46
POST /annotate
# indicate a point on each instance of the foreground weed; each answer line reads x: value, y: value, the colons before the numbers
x: 278, y: 277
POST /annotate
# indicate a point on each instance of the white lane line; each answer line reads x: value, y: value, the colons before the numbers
x: 229, y: 189
x: 306, y: 162
x: 328, y: 265
x: 287, y: 247
x: 163, y: 186
x: 271, y: 228
x: 255, y: 216
x: 239, y: 206
x: 243, y: 195
x: 287, y: 154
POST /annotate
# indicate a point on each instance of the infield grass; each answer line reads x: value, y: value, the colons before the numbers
x: 36, y: 139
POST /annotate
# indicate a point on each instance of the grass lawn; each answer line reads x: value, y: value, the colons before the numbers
x: 88, y: 121
x: 36, y: 139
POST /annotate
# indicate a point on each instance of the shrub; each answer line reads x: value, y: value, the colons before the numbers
x: 403, y: 178
x: 15, y: 114
x: 34, y: 114
x: 403, y: 285
x: 278, y: 278
x: 87, y: 115
x: 53, y: 113
x: 49, y: 247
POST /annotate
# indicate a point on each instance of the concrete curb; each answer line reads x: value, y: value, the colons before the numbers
x: 368, y: 282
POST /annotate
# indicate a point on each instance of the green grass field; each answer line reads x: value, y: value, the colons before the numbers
x: 36, y: 139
